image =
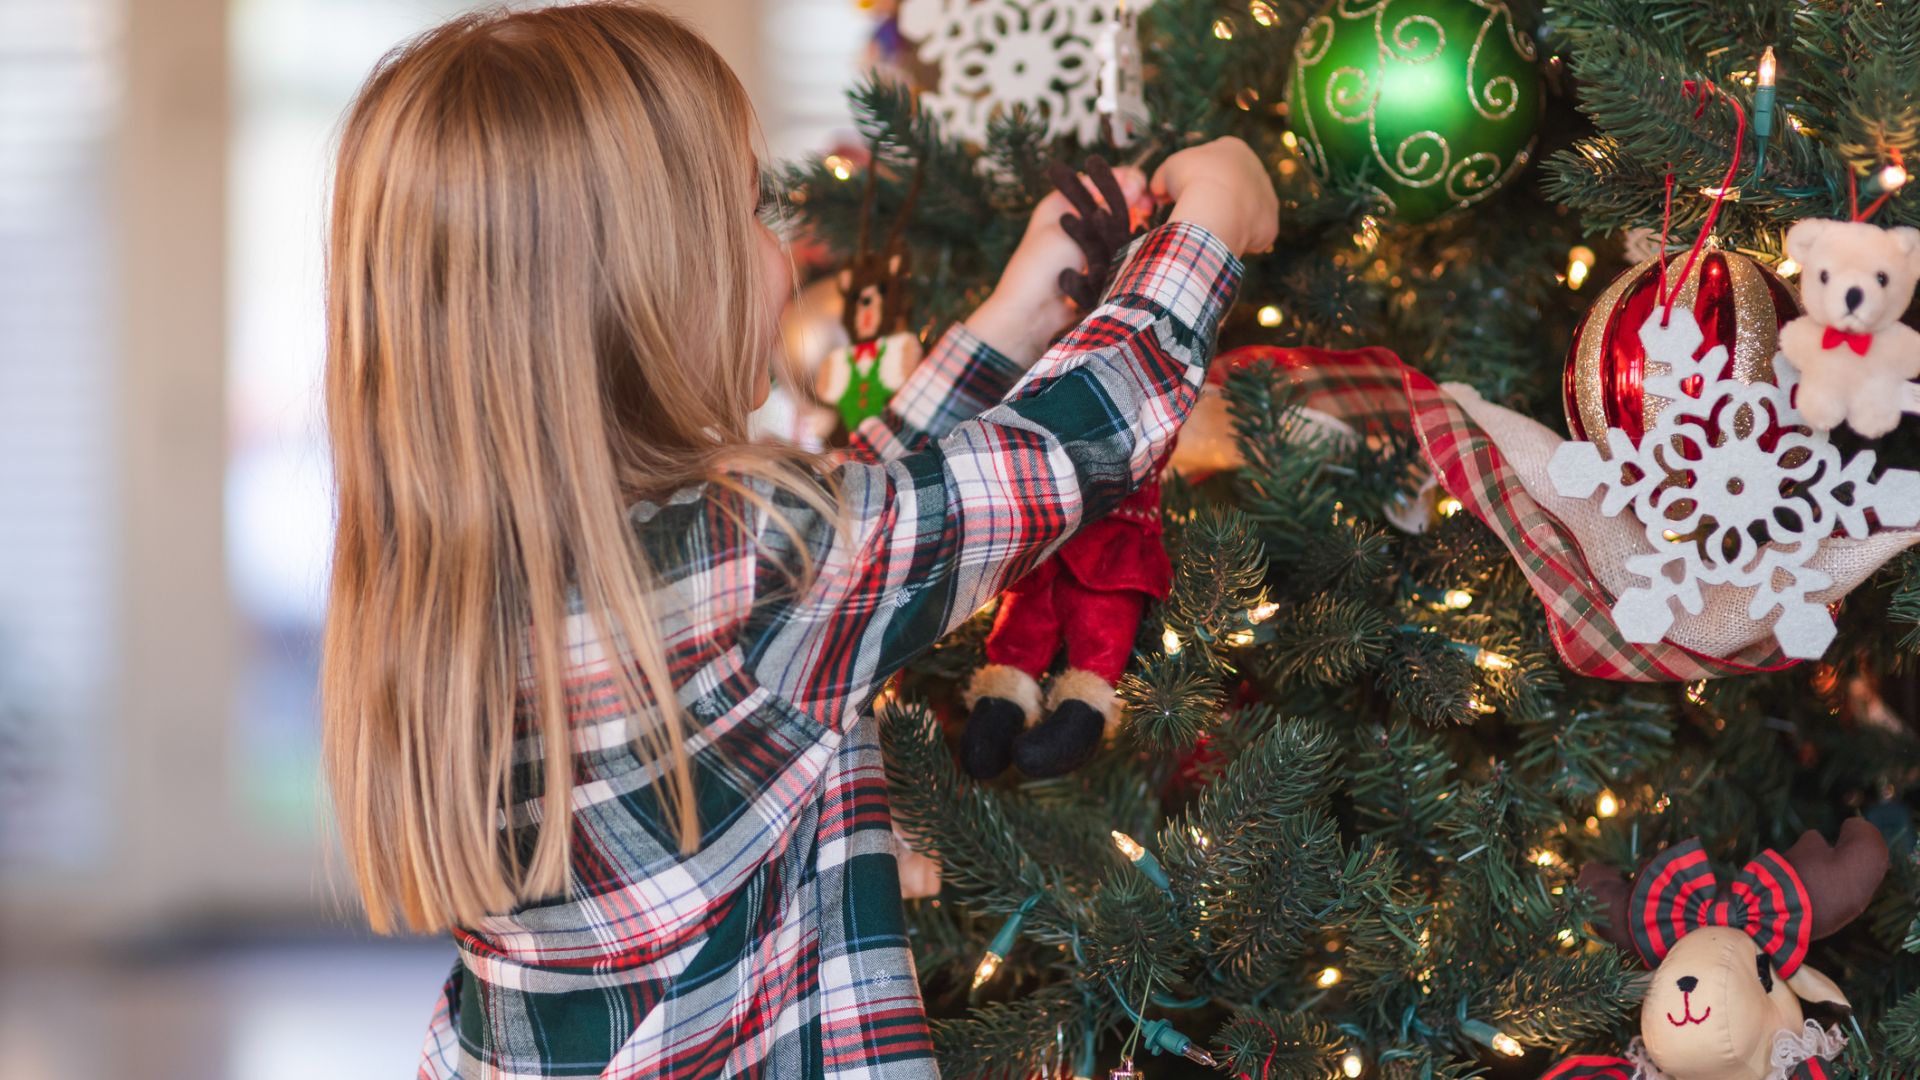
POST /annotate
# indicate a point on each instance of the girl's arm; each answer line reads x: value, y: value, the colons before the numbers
x: 934, y: 535
x: 974, y: 364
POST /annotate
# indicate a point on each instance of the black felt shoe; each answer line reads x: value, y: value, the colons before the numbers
x: 1067, y: 739
x: 986, y: 747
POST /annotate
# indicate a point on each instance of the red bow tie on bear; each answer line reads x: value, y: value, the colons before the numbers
x: 1859, y: 343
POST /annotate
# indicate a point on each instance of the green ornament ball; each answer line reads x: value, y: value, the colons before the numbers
x: 1433, y: 104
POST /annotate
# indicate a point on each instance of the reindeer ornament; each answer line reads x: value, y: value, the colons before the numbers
x: 858, y: 379
x: 1730, y: 977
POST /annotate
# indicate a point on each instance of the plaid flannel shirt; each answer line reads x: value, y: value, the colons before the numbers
x: 778, y: 948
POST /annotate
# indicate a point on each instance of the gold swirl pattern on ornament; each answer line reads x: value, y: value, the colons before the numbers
x: 1501, y: 95
x: 1589, y: 393
x: 1350, y: 104
x: 1314, y: 42
x: 1497, y: 9
x: 1310, y: 149
x: 1406, y: 45
x: 1413, y: 175
x: 1473, y: 177
x: 1358, y: 9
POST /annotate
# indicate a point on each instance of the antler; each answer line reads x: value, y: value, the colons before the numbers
x: 1101, y: 231
x: 906, y: 205
x: 1840, y: 878
x: 1614, y: 893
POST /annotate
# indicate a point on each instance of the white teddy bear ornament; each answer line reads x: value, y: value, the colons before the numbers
x: 1853, y: 353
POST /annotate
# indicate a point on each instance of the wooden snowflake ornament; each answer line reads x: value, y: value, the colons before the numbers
x: 1733, y: 488
x: 1045, y: 55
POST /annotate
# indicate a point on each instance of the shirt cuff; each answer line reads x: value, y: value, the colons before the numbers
x: 1183, y: 269
x: 987, y: 373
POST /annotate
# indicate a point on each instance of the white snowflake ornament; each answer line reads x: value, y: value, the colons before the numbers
x: 996, y: 54
x: 1733, y: 489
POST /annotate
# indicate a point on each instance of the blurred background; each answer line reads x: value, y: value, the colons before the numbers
x: 169, y: 905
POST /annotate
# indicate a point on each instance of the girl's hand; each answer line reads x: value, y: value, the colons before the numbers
x: 1223, y: 187
x: 1027, y: 309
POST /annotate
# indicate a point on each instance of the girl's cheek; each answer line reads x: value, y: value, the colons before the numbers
x: 776, y: 273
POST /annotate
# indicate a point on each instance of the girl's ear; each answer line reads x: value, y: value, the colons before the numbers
x: 846, y: 279
x: 1815, y: 989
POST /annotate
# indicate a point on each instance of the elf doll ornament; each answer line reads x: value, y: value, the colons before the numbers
x: 857, y: 380
x: 1086, y: 600
x: 1731, y: 988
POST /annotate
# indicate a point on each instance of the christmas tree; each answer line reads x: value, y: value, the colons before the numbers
x: 1341, y: 829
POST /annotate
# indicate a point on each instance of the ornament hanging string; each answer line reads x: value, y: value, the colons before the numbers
x: 1705, y: 91
x: 1268, y: 1063
x: 1853, y: 191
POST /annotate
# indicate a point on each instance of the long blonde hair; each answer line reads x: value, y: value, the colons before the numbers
x: 543, y: 302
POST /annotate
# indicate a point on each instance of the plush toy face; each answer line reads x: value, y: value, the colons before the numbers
x: 1855, y: 276
x: 873, y: 287
x: 1714, y: 1006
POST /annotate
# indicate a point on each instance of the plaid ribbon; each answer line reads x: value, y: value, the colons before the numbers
x: 1676, y: 895
x: 1373, y: 390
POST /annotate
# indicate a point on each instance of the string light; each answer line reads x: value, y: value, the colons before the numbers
x: 1170, y: 641
x: 1352, y: 1065
x: 1544, y: 857
x: 1580, y: 260
x: 1893, y: 177
x: 1477, y: 705
x: 1607, y: 805
x: 840, y: 167
x: 1697, y: 692
x: 989, y: 966
x: 1458, y: 599
x: 1002, y: 943
x: 1328, y: 978
x: 1488, y: 660
x: 1263, y: 612
x: 1289, y: 140
x: 1223, y: 29
x: 1142, y: 859
x: 1269, y: 316
x: 1449, y: 506
x: 1787, y: 268
x: 1488, y: 1035
x: 1763, y: 111
x: 1240, y: 638
x: 1262, y: 13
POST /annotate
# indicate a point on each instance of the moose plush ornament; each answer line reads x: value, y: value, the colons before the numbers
x: 1731, y: 986
x: 1854, y: 355
x: 1087, y: 599
x: 859, y: 379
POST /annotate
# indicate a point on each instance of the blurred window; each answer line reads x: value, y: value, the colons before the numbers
x: 59, y: 97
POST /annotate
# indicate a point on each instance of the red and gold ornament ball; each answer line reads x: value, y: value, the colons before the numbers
x: 1738, y: 303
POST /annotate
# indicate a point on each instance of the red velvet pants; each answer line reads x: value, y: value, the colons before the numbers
x: 1048, y: 607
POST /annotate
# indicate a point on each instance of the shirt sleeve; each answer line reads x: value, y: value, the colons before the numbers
x: 957, y: 381
x: 929, y: 537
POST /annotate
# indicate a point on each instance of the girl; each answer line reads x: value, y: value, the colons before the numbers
x: 597, y: 669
